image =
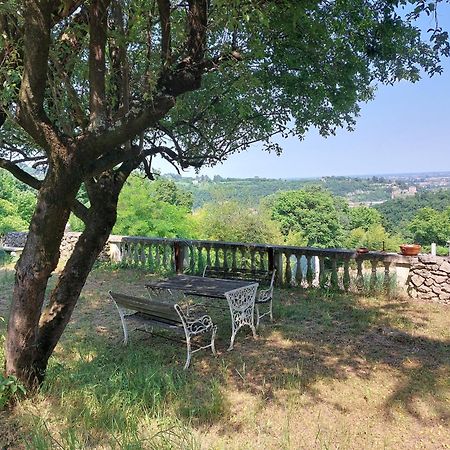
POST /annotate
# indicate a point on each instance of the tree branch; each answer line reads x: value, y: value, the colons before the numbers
x: 97, y: 145
x: 63, y: 9
x: 77, y: 207
x: 166, y: 48
x: 97, y: 67
x: 20, y: 174
x: 31, y: 114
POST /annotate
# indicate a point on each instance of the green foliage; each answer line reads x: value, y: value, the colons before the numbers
x: 429, y: 225
x: 10, y: 219
x: 311, y: 212
x: 363, y: 217
x: 10, y: 388
x: 398, y: 212
x: 230, y: 221
x: 141, y: 213
x: 16, y: 204
x: 166, y: 190
x: 374, y: 237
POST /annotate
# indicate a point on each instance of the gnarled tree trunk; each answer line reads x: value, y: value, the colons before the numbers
x: 38, y: 260
x: 39, y: 332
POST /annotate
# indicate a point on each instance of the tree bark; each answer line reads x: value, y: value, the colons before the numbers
x: 38, y: 260
x: 32, y: 336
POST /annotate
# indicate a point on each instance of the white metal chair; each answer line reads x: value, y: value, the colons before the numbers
x: 242, y: 308
x: 264, y: 297
x: 193, y: 327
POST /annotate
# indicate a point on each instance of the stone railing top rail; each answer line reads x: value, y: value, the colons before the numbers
x: 286, y: 249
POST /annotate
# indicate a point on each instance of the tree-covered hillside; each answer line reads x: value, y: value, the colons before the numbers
x: 249, y: 191
x: 398, y: 212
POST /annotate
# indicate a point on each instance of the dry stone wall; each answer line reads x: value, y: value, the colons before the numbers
x: 429, y: 278
x: 18, y: 238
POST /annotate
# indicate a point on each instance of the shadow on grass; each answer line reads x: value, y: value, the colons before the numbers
x: 334, y: 337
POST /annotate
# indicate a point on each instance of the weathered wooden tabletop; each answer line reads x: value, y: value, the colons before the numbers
x: 201, y: 286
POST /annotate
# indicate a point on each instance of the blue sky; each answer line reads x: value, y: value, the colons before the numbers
x: 404, y: 129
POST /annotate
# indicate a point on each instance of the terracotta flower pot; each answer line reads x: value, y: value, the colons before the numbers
x: 410, y: 249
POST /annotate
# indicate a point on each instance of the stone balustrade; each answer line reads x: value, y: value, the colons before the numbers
x: 302, y: 266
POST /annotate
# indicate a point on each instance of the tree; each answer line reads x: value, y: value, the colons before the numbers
x: 167, y: 191
x: 92, y: 90
x: 141, y: 212
x: 374, y: 237
x: 363, y: 217
x: 429, y: 225
x: 229, y: 221
x: 311, y: 212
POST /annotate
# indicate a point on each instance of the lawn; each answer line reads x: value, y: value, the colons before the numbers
x: 333, y: 371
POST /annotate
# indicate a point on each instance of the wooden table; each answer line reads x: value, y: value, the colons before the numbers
x: 241, y: 296
x: 201, y: 286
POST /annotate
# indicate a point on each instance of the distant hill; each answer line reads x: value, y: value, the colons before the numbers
x: 249, y: 191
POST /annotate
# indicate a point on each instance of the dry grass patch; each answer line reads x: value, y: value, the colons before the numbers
x: 333, y: 371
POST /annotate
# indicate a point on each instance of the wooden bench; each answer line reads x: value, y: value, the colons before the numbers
x: 166, y: 315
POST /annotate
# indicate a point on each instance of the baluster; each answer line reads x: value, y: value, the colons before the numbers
x: 309, y: 271
x: 373, y: 274
x: 261, y: 261
x: 252, y: 260
x: 334, y: 281
x: 346, y: 277
x: 322, y: 273
x: 143, y: 254
x: 208, y: 256
x: 288, y: 271
x: 225, y: 259
x: 233, y: 259
x: 387, y: 277
x: 165, y: 256
x: 359, y: 275
x: 191, y: 260
x: 200, y: 265
x: 134, y: 254
x: 151, y: 261
x: 217, y: 261
x: 157, y: 258
x: 298, y: 270
x: 126, y: 252
x: 243, y: 264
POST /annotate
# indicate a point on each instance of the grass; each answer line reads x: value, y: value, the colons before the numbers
x: 333, y: 371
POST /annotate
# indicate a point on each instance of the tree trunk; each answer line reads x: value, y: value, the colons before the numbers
x: 39, y: 258
x: 65, y: 295
x: 32, y: 336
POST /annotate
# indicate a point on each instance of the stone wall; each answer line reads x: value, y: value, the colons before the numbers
x: 429, y: 278
x: 13, y: 239
x: 18, y: 238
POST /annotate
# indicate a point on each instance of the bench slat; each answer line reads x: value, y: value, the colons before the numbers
x: 149, y: 307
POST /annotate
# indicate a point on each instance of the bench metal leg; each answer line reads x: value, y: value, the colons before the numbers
x: 213, y: 337
x: 124, y: 324
x: 188, y: 357
x: 267, y: 313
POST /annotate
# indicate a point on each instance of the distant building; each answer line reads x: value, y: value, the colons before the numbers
x: 400, y: 193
